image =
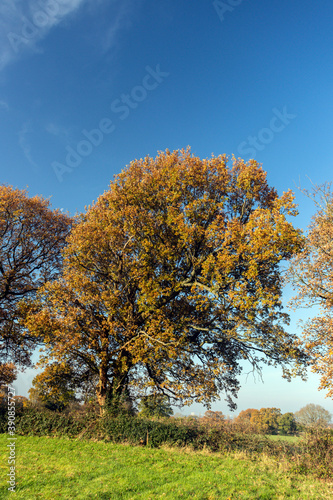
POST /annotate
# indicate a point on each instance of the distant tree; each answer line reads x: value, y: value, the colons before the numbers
x: 213, y: 419
x: 155, y: 405
x: 311, y: 274
x: 267, y: 420
x: 313, y: 415
x: 214, y: 415
x: 172, y: 279
x: 246, y: 420
x: 246, y: 415
x: 287, y: 424
x: 31, y: 239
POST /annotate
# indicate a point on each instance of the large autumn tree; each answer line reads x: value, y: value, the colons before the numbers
x: 32, y: 236
x: 171, y: 280
x: 311, y: 274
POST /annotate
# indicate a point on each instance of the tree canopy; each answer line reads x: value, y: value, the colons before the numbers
x: 31, y: 238
x: 313, y: 415
x: 311, y: 274
x: 171, y: 280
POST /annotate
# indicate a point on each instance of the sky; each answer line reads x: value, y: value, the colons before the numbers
x: 86, y: 86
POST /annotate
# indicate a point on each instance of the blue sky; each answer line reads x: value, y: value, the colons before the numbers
x: 86, y: 86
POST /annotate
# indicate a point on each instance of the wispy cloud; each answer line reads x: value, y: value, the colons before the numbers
x: 25, y: 144
x: 23, y: 23
x: 4, y: 105
x: 57, y: 130
x: 120, y: 21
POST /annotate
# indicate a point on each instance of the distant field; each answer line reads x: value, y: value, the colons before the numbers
x: 53, y: 468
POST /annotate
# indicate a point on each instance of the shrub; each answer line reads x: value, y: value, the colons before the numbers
x: 317, y: 453
x: 146, y: 432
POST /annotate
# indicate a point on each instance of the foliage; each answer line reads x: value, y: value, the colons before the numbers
x: 148, y: 432
x: 287, y: 424
x: 8, y: 373
x: 171, y: 280
x: 313, y: 415
x: 311, y: 274
x: 121, y: 405
x: 54, y: 388
x: 44, y: 422
x: 155, y: 405
x: 266, y: 421
x: 246, y: 420
x: 31, y: 238
x: 317, y: 453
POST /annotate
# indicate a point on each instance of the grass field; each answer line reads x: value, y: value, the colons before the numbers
x: 54, y: 468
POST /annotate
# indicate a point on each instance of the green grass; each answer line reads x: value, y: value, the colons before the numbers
x: 54, y: 468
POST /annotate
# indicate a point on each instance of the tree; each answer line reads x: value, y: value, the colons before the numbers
x: 216, y: 416
x: 287, y: 424
x: 213, y: 419
x: 311, y: 274
x: 8, y: 373
x: 171, y: 280
x: 267, y: 420
x: 61, y: 384
x: 247, y: 419
x: 313, y: 415
x: 31, y: 238
x: 54, y: 388
x: 155, y: 405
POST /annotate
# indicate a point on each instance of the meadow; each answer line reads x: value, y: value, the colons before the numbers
x: 53, y: 467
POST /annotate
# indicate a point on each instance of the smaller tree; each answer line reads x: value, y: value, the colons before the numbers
x: 313, y: 415
x: 310, y: 273
x: 155, y: 405
x: 287, y: 424
x: 217, y: 416
x: 53, y: 388
x: 213, y: 419
x: 32, y: 236
x: 246, y: 420
x: 267, y: 420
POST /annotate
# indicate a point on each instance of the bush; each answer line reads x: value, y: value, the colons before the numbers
x: 317, y: 453
x: 43, y: 422
x: 4, y: 415
x: 142, y: 431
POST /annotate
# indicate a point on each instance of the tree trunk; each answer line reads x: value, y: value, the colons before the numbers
x: 102, y: 387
